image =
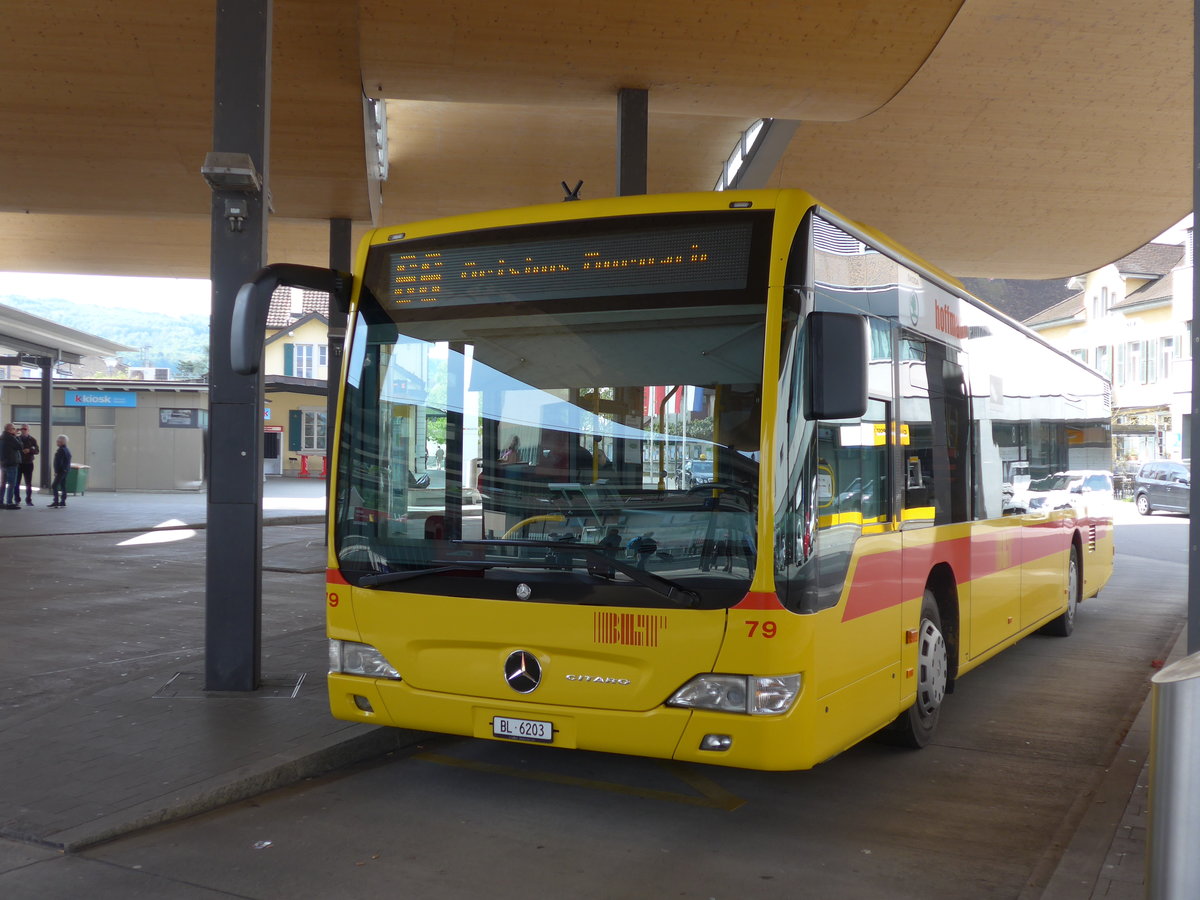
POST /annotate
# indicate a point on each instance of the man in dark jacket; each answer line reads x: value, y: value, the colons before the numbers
x: 29, y: 452
x: 10, y: 462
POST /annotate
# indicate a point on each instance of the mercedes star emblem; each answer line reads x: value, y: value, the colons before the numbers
x: 522, y: 671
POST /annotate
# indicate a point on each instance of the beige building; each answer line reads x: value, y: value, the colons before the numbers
x: 133, y: 435
x: 1131, y: 321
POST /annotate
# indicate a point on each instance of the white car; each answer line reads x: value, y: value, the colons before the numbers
x: 1087, y: 491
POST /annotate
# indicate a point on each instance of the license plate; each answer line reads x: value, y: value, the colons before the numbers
x: 522, y: 729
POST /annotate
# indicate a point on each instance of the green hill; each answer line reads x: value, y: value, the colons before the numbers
x: 160, y: 339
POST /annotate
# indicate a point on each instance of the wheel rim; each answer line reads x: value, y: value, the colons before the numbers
x: 1143, y: 504
x: 1072, y: 588
x: 931, y: 669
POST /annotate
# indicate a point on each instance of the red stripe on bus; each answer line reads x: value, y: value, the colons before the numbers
x: 333, y: 576
x: 760, y: 600
x: 883, y: 580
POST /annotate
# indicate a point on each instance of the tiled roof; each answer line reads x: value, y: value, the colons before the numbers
x: 281, y: 314
x: 1067, y: 309
x: 1151, y: 260
x: 316, y: 301
x: 1158, y: 291
x: 1019, y: 297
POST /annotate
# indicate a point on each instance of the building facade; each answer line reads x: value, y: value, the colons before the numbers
x: 132, y: 435
x: 1131, y: 321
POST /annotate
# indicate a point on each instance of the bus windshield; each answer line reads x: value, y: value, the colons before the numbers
x: 582, y: 427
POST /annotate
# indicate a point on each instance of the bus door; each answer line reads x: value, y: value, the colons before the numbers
x: 856, y: 565
x: 937, y: 492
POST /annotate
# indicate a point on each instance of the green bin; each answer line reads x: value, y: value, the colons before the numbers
x: 77, y: 479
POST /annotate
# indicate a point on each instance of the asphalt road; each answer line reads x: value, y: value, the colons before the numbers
x: 983, y: 812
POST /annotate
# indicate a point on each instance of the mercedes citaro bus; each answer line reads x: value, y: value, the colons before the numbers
x: 724, y: 478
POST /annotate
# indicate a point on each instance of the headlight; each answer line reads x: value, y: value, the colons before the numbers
x: 350, y: 658
x: 755, y: 695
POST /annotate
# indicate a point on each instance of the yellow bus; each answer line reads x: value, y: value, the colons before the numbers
x: 717, y: 477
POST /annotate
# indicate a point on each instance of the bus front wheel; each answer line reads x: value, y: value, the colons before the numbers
x: 1065, y: 623
x: 915, y: 726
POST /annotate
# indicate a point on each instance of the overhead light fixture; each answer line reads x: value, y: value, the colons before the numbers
x: 375, y: 111
x: 231, y: 172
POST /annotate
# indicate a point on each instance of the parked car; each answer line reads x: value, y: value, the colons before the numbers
x: 694, y: 472
x: 1163, y: 484
x: 1088, y: 491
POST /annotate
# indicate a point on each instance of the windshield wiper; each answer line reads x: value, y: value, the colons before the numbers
x: 391, y: 577
x: 665, y: 587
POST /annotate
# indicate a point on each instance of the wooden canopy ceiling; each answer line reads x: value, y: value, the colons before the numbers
x: 1004, y: 138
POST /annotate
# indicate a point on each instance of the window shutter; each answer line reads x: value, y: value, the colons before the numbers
x: 289, y: 360
x: 295, y: 422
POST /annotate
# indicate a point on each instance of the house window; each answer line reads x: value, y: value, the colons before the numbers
x: 312, y: 431
x: 304, y: 361
x: 1103, y: 363
x: 307, y: 360
x: 1134, y: 372
x: 1146, y: 368
x: 1081, y: 355
x: 1167, y: 352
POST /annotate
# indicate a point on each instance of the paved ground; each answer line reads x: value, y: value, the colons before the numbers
x: 107, y: 729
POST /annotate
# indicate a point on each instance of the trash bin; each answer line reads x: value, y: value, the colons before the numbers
x: 77, y: 479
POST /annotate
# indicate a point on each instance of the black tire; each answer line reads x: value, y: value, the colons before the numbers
x: 1065, y: 623
x: 915, y: 726
x: 1143, y: 504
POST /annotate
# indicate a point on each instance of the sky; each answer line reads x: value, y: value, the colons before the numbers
x: 172, y: 296
x: 1176, y: 234
x: 192, y: 296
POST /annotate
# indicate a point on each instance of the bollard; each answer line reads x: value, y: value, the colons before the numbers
x: 1172, y: 863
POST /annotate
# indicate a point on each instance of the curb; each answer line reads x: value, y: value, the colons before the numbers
x: 281, y: 770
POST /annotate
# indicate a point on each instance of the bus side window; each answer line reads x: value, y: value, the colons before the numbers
x: 936, y: 415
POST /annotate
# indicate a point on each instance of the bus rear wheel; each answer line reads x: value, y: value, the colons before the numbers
x: 915, y: 726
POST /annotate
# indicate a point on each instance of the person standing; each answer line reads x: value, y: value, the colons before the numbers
x: 62, y: 465
x: 29, y: 452
x: 10, y: 462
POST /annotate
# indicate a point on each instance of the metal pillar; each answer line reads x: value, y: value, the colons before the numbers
x: 340, y: 251
x: 633, y: 113
x: 1172, y: 865
x: 233, y: 586
x: 45, y: 442
x: 1172, y: 870
x: 1193, y: 620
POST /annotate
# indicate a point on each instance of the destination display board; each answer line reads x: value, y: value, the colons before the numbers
x: 667, y: 259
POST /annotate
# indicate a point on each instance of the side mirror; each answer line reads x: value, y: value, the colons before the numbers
x: 835, y: 366
x: 249, y: 324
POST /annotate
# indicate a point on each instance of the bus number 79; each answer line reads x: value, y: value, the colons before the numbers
x: 765, y: 629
